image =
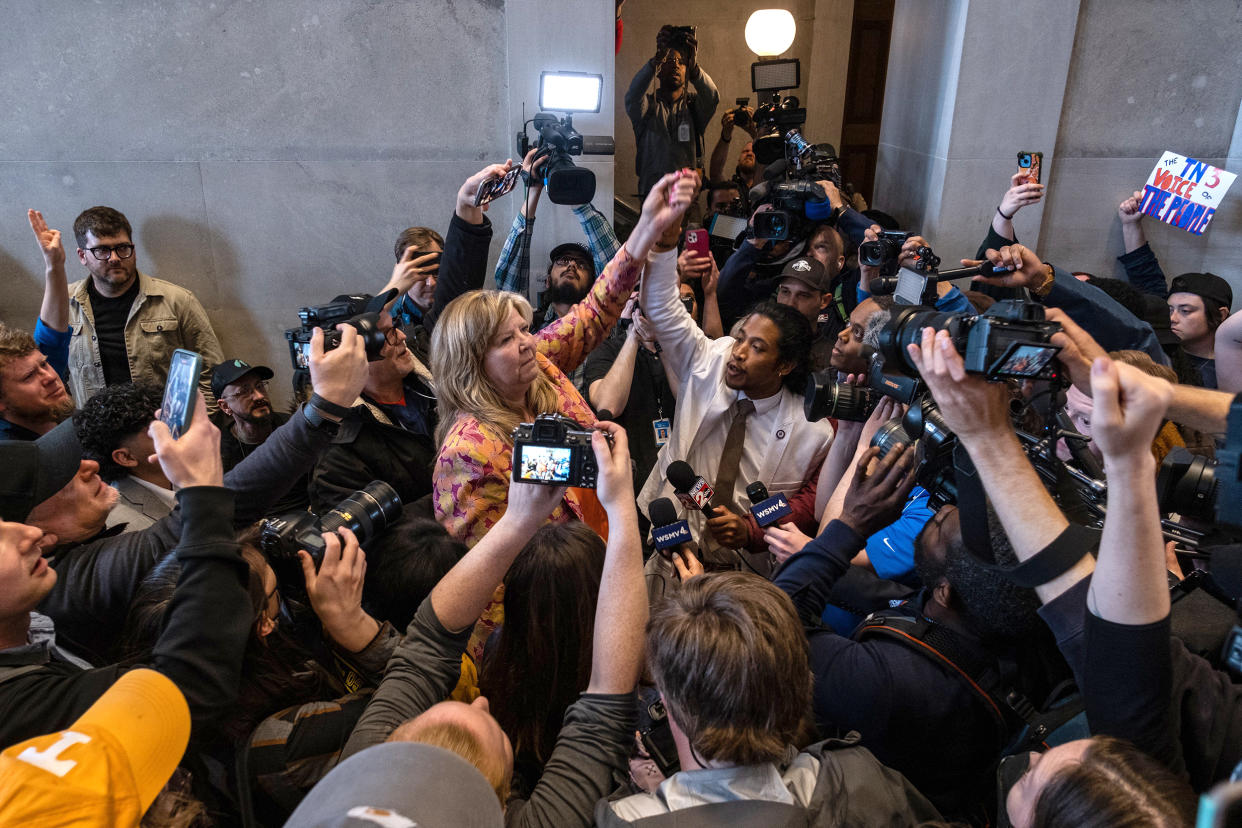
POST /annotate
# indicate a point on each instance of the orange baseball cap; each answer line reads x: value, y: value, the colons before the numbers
x: 108, y: 766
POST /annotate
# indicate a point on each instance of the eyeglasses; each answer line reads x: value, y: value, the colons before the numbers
x: 566, y: 261
x: 242, y: 393
x: 104, y: 252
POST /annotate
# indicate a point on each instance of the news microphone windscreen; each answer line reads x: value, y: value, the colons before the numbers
x: 757, y: 491
x: 681, y: 475
x: 604, y: 414
x: 662, y: 512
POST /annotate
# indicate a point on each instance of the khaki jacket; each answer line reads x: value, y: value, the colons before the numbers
x: 164, y: 317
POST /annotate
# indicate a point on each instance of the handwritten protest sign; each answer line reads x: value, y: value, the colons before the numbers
x: 1185, y: 192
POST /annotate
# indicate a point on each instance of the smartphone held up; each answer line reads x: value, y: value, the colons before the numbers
x: 177, y: 409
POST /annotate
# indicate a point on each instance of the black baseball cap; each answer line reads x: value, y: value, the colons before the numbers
x: 231, y: 370
x: 575, y: 249
x: 809, y: 271
x: 37, y: 469
x: 1214, y: 290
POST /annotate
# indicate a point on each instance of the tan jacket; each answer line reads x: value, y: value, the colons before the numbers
x: 164, y: 317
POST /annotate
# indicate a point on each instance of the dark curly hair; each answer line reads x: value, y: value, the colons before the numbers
x: 795, y: 343
x: 115, y: 413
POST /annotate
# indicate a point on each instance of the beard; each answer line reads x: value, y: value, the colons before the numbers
x: 59, y: 412
x: 565, y: 293
x: 262, y: 418
x: 991, y: 604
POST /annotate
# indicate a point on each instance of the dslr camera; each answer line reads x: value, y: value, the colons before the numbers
x: 554, y: 450
x: 883, y: 252
x: 361, y: 310
x: 367, y: 513
x: 827, y: 397
x: 923, y: 429
x: 1012, y: 339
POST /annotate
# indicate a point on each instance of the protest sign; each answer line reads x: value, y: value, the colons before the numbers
x: 1185, y: 192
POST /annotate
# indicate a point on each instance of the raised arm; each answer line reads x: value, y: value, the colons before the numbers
x: 1229, y: 355
x: 1130, y: 584
x: 205, y: 631
x: 513, y: 266
x: 636, y: 95
x: 463, y: 265
x: 568, y: 340
x: 621, y: 611
x: 978, y: 412
x: 1142, y: 267
x: 599, y: 234
x: 54, y: 312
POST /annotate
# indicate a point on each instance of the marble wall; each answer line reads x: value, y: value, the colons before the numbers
x: 1102, y: 88
x: 268, y: 153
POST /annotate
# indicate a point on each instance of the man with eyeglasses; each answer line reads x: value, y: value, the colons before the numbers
x: 246, y: 419
x: 125, y: 325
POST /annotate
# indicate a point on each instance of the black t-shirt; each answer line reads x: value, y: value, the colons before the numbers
x: 110, y: 318
x: 650, y: 399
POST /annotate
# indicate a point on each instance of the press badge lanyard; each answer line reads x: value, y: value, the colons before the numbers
x: 660, y: 427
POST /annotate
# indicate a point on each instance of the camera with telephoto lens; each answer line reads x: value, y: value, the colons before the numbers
x: 923, y: 429
x: 827, y: 397
x: 1011, y: 339
x: 554, y: 450
x: 360, y: 310
x: 367, y: 513
x: 1199, y: 488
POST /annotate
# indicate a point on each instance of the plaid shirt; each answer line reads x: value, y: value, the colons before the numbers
x: 513, y: 267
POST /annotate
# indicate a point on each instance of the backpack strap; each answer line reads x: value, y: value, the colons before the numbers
x: 943, y: 646
x: 9, y: 672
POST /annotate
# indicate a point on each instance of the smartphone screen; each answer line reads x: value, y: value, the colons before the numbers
x: 698, y: 241
x: 494, y: 188
x: 178, y: 407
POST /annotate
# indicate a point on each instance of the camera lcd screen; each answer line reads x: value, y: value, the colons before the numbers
x: 727, y: 227
x: 1024, y: 359
x: 909, y: 287
x: 545, y: 464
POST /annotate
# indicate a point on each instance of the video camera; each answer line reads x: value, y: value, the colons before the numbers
x: 1011, y: 339
x: 554, y: 450
x: 567, y: 92
x: 1197, y: 488
x: 367, y: 513
x: 361, y: 310
x: 805, y: 165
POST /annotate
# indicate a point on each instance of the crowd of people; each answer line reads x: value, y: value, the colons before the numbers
x: 945, y: 625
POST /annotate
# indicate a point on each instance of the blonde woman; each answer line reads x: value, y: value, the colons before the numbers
x: 493, y: 373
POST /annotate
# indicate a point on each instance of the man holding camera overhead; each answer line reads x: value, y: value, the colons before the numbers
x: 669, y: 122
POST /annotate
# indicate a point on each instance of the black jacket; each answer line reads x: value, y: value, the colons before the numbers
x: 200, y: 648
x: 98, y: 578
x: 369, y: 446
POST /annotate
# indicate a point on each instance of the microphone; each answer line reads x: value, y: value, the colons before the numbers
x: 984, y: 268
x: 666, y: 530
x: 693, y: 491
x: 764, y: 509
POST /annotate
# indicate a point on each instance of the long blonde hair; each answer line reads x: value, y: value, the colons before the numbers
x: 459, y: 344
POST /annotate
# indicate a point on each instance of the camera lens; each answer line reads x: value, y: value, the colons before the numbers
x: 1187, y: 485
x: 926, y: 423
x: 890, y: 435
x: 366, y: 512
x: 905, y: 327
x: 828, y: 398
x: 1024, y: 160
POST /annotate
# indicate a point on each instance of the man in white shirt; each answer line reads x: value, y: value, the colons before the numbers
x: 112, y: 428
x: 756, y: 378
